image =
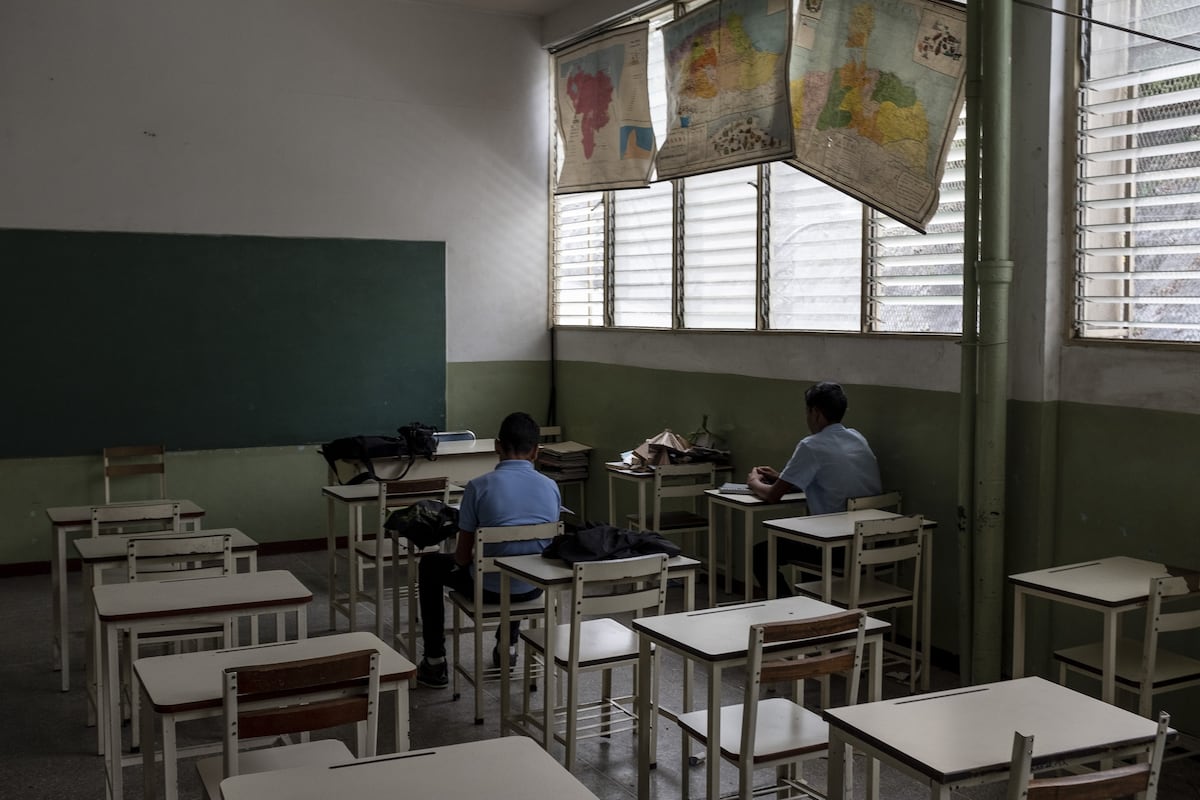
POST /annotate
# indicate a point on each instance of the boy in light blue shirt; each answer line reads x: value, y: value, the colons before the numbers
x: 513, y: 493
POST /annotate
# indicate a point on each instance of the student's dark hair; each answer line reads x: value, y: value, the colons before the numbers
x: 519, y: 433
x: 829, y: 399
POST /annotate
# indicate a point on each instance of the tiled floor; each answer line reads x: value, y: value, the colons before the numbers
x: 47, y: 752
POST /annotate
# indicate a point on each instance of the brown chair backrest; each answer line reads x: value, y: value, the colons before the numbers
x: 124, y: 462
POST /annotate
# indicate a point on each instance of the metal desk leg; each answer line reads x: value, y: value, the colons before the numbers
x: 712, y: 549
x: 645, y: 709
x: 840, y: 778
x: 149, y: 747
x: 58, y: 586
x: 612, y: 500
x: 1018, y: 648
x: 109, y: 692
x: 713, y: 754
x: 504, y: 647
x: 926, y: 610
x: 331, y: 551
x: 1109, y: 669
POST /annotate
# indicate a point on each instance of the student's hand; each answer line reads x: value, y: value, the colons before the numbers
x: 765, y: 474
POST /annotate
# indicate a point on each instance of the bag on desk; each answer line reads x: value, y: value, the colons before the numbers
x: 599, y: 542
x: 362, y: 449
x: 420, y: 439
x: 425, y: 523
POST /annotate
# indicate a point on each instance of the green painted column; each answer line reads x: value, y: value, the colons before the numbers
x: 995, y: 277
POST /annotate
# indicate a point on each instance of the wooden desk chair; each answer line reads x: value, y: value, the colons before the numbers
x: 295, y: 697
x: 487, y: 615
x: 171, y: 558
x: 1146, y: 668
x: 888, y: 501
x: 1124, y: 781
x: 775, y: 731
x: 675, y: 481
x: 893, y: 543
x: 126, y: 462
x: 378, y: 552
x: 148, y: 517
x: 593, y: 641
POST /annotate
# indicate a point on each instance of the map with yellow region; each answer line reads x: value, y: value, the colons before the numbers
x: 876, y: 87
x: 727, y: 95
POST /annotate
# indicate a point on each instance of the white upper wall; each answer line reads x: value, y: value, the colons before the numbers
x: 325, y: 118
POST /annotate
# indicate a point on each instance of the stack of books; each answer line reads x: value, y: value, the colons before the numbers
x: 564, y: 461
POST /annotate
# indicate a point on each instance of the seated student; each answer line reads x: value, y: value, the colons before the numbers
x: 832, y: 465
x: 513, y: 493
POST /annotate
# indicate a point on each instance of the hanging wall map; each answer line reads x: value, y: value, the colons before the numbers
x: 727, y: 95
x: 876, y: 90
x: 604, y: 112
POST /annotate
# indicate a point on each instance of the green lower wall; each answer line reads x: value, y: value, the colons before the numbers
x: 271, y: 493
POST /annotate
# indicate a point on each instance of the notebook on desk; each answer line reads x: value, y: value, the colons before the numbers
x: 734, y: 488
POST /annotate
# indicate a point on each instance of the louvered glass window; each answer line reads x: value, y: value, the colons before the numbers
x: 914, y: 281
x: 1138, y: 221
x: 815, y: 263
x: 642, y: 223
x: 577, y: 281
x: 720, y: 243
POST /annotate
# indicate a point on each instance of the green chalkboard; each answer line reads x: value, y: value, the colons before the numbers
x: 216, y: 341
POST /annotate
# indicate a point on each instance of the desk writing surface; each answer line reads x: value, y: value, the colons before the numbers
x: 82, y: 515
x: 753, y: 501
x: 365, y: 492
x: 241, y: 592
x: 114, y: 547
x: 1105, y: 581
x: 546, y: 571
x: 511, y: 768
x: 961, y: 732
x: 838, y: 525
x: 716, y: 634
x: 196, y: 680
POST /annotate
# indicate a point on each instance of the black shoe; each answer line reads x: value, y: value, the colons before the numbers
x: 432, y: 675
x: 512, y: 656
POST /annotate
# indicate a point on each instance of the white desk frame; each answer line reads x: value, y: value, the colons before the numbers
x: 749, y: 505
x: 458, y: 461
x: 122, y: 606
x: 716, y: 639
x: 830, y: 531
x: 1110, y: 586
x: 552, y: 576
x: 963, y: 737
x: 641, y: 478
x: 72, y: 520
x: 98, y: 553
x: 190, y: 686
x: 512, y: 768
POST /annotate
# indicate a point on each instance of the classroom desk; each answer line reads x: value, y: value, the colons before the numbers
x: 513, y: 768
x: 749, y: 505
x: 135, y: 605
x: 98, y: 553
x: 716, y: 639
x: 191, y: 686
x: 641, y: 478
x: 355, y: 498
x: 459, y: 461
x: 66, y: 520
x: 552, y: 575
x: 963, y: 737
x: 1110, y: 586
x: 830, y: 531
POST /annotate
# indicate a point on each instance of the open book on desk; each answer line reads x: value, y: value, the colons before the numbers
x: 734, y: 488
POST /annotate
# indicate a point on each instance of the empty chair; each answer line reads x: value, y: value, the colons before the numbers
x: 135, y: 518
x: 1123, y: 781
x: 377, y: 553
x: 272, y: 700
x: 593, y: 641
x: 1146, y: 668
x: 487, y: 615
x: 888, y: 501
x: 130, y: 461
x: 673, y: 482
x: 896, y: 544
x: 168, y: 558
x: 775, y: 731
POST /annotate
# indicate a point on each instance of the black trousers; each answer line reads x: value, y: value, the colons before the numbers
x: 438, y: 572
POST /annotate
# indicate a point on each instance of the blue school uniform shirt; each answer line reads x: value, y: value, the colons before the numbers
x: 514, y: 493
x: 832, y: 466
